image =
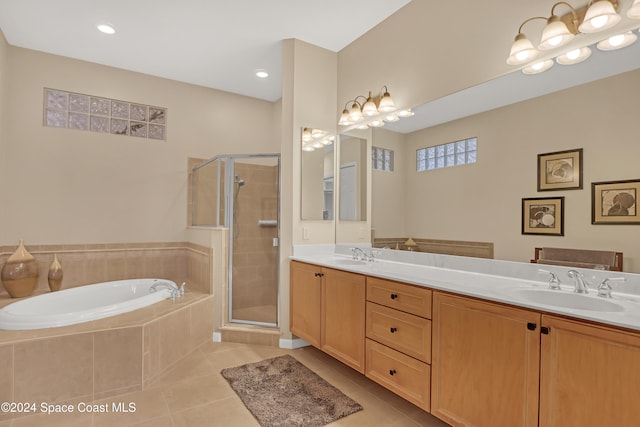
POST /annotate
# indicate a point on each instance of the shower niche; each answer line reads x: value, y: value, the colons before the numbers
x: 242, y: 193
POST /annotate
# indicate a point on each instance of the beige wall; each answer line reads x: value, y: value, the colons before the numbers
x: 482, y: 202
x: 4, y: 88
x: 388, y: 198
x: 67, y: 186
x: 309, y: 81
x: 428, y: 49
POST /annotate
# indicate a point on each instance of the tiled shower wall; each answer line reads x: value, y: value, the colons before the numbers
x: 95, y: 263
x: 255, y: 266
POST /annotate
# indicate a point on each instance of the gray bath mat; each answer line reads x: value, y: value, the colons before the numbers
x: 283, y: 392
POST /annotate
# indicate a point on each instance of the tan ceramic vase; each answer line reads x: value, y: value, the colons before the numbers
x: 55, y: 274
x: 20, y: 273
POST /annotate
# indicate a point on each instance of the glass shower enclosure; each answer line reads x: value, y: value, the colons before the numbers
x: 242, y: 193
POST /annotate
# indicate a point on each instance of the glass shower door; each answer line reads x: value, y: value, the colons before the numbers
x: 253, y: 220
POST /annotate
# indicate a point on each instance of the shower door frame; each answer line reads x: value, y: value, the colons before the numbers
x: 229, y: 192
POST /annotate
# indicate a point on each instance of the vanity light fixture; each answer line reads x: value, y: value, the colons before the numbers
x: 370, y: 111
x: 560, y: 32
x: 600, y: 16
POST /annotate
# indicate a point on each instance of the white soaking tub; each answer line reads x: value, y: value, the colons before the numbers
x: 83, y: 303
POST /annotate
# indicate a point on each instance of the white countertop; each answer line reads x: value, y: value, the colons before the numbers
x: 492, y: 280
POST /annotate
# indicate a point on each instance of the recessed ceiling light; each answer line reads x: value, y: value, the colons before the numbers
x: 106, y: 28
x: 262, y: 74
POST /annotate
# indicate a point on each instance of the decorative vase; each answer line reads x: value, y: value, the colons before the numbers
x: 55, y: 274
x: 20, y: 273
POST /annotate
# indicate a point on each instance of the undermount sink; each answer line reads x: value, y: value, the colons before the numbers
x: 343, y: 261
x: 566, y: 299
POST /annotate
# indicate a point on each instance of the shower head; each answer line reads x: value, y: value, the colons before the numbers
x: 239, y: 181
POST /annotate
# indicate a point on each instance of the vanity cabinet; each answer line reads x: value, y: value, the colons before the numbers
x: 398, y: 339
x: 328, y: 311
x: 468, y: 361
x: 485, y: 363
x: 590, y: 375
x: 305, y: 301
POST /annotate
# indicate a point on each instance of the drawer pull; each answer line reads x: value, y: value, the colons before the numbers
x: 394, y: 296
x: 392, y: 372
x: 393, y: 330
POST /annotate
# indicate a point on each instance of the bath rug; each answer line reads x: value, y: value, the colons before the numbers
x: 282, y: 392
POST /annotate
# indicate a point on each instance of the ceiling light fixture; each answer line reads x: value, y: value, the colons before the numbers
x: 263, y: 74
x: 559, y: 34
x: 106, y: 28
x: 371, y: 111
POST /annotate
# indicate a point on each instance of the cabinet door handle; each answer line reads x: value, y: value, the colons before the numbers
x: 392, y: 372
x: 394, y: 296
x: 531, y: 326
x: 393, y: 330
x: 319, y: 274
x: 545, y: 330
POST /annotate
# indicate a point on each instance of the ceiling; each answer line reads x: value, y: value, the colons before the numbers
x: 211, y: 43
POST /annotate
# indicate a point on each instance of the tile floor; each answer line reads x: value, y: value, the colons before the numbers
x: 194, y: 394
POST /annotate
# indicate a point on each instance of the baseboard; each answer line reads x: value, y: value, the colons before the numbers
x: 291, y: 344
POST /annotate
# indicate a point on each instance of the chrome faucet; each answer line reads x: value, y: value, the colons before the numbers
x: 362, y: 255
x: 582, y: 286
x: 175, y: 291
x: 604, y: 289
x: 554, y: 281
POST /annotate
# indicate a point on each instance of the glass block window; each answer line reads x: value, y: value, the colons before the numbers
x: 445, y: 155
x: 103, y: 115
x: 382, y: 159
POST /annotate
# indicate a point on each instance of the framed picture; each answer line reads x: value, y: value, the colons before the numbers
x: 561, y: 170
x: 543, y: 215
x: 615, y: 202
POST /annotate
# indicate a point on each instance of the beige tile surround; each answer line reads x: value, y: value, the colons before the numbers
x: 95, y: 263
x: 105, y: 358
x: 120, y: 354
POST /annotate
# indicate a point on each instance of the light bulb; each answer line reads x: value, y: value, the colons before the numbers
x: 616, y: 40
x: 573, y: 54
x: 599, y: 21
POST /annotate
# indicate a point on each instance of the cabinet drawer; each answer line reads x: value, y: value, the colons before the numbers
x: 412, y: 299
x: 403, y: 375
x: 402, y: 331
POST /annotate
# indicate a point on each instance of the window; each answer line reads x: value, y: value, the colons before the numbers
x: 445, y: 155
x: 96, y: 114
x: 382, y: 159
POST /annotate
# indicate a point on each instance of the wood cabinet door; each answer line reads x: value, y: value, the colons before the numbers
x: 485, y: 363
x: 343, y: 317
x: 590, y: 375
x: 305, y: 301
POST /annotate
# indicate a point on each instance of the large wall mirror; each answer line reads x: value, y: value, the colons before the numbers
x: 317, y: 197
x: 353, y: 178
x: 482, y: 202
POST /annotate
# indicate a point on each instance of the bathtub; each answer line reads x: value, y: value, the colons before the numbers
x: 81, y: 304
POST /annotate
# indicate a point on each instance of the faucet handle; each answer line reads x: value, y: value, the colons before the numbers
x: 604, y: 289
x: 181, y: 290
x: 554, y: 281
